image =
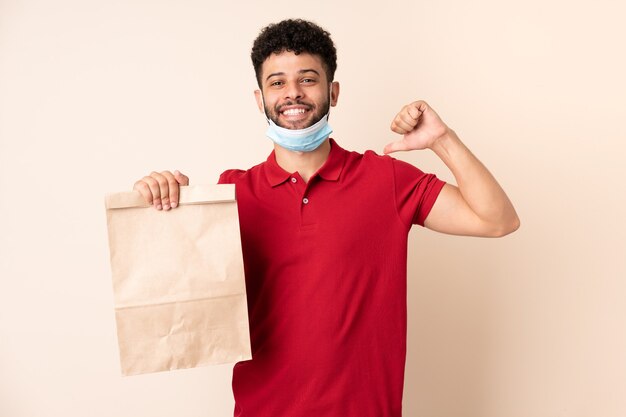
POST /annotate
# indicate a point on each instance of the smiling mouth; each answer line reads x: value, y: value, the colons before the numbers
x: 294, y: 112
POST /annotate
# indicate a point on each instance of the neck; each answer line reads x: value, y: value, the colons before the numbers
x: 305, y: 163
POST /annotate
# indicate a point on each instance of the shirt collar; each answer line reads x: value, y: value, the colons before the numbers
x: 330, y: 171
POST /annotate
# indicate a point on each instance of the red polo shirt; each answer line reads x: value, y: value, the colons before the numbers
x: 325, y: 265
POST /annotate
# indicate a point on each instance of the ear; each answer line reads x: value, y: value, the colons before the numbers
x: 259, y: 100
x: 334, y: 93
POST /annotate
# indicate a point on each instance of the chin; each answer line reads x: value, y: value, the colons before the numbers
x: 296, y: 125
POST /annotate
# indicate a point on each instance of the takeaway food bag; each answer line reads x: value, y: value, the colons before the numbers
x: 178, y: 280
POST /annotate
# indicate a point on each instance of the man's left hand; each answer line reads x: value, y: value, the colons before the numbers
x: 419, y: 124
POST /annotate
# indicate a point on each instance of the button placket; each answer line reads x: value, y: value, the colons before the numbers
x: 300, y: 188
x: 307, y: 209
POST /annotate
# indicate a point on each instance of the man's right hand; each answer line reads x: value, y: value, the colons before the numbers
x: 161, y: 189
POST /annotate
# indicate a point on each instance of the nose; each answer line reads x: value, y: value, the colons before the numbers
x: 294, y: 91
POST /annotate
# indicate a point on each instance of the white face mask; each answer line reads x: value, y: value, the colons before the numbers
x: 300, y: 140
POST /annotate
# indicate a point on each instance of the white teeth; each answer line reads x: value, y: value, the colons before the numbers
x: 292, y: 112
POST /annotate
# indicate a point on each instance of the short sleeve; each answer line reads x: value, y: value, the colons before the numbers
x: 415, y: 192
x: 230, y: 176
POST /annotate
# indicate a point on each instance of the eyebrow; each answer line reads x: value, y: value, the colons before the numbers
x: 302, y: 71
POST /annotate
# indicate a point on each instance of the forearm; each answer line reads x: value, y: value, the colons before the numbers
x: 477, y: 186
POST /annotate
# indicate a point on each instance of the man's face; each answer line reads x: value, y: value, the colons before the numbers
x: 295, y: 89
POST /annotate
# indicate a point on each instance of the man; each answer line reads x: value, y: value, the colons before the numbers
x: 324, y: 235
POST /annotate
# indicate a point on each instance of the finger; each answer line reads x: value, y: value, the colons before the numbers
x: 173, y: 190
x: 164, y: 187
x: 162, y: 190
x: 407, y: 118
x: 144, y: 190
x: 400, y: 126
x: 181, y: 178
x: 415, y: 110
x: 395, y: 146
x: 153, y: 185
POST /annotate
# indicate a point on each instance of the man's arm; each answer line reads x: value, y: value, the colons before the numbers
x: 478, y: 206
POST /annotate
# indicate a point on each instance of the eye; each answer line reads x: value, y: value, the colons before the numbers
x: 276, y: 83
x: 308, y: 80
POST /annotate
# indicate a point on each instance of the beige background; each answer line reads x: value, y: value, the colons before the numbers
x: 95, y: 94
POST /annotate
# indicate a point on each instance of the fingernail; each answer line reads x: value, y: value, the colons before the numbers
x: 159, y: 207
x: 166, y: 206
x: 174, y: 204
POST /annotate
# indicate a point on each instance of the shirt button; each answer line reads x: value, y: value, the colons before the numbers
x: 294, y: 180
x: 305, y: 200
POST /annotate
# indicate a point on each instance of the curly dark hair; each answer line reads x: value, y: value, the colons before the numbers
x: 297, y: 36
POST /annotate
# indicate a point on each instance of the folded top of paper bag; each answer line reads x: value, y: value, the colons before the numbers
x: 189, y: 194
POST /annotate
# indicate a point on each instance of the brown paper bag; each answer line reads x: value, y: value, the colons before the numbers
x: 178, y: 281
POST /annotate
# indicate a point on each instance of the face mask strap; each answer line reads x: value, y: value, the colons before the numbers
x: 263, y: 103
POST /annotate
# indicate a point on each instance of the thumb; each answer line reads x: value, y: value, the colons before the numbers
x: 396, y: 146
x: 181, y: 178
